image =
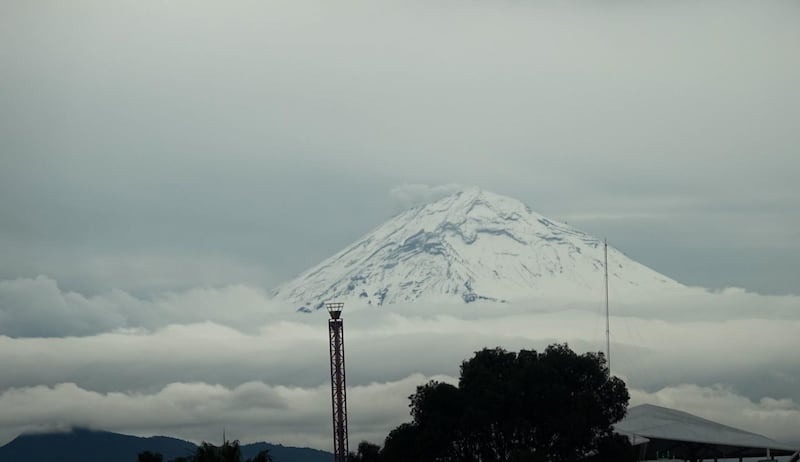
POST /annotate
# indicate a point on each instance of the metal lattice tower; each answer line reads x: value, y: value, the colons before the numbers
x: 338, y: 383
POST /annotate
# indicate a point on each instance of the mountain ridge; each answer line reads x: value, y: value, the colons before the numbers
x: 87, y: 445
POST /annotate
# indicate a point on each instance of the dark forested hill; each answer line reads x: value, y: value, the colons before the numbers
x: 89, y: 446
x: 82, y: 445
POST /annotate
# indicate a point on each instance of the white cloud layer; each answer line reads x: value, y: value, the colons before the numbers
x: 255, y: 411
x: 209, y: 357
x: 251, y: 411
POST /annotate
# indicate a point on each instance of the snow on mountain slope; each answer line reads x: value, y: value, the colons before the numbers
x: 472, y: 245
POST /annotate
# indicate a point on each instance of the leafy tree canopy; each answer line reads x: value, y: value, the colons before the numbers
x: 554, y: 406
x: 148, y: 456
x: 367, y: 452
x: 230, y: 451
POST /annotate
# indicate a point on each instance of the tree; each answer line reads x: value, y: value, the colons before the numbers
x: 401, y: 444
x: 262, y: 456
x: 206, y: 452
x: 148, y: 456
x: 554, y: 406
x: 367, y: 452
x: 230, y: 451
x: 614, y: 448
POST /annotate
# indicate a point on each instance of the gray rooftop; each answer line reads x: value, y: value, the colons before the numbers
x: 660, y: 423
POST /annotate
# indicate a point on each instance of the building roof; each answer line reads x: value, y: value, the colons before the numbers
x: 680, y: 432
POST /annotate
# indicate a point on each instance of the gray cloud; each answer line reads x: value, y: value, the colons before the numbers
x: 412, y: 195
x: 256, y: 411
x: 162, y: 149
x: 704, y: 342
x: 39, y: 308
x: 252, y: 411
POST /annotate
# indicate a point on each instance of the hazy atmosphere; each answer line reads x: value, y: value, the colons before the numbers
x: 165, y: 165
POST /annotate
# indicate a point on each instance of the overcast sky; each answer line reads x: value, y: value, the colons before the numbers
x: 163, y: 165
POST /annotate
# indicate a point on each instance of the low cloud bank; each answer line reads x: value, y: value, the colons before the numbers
x: 252, y: 411
x: 257, y: 411
x: 188, y: 363
x: 38, y: 307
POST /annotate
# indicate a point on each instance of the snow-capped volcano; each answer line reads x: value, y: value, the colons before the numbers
x: 472, y: 245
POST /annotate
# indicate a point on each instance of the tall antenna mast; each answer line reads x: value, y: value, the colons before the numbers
x: 608, y: 331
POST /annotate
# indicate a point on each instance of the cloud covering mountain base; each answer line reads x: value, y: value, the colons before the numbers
x: 188, y: 363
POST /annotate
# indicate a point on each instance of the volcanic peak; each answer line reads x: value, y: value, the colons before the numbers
x: 471, y: 245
